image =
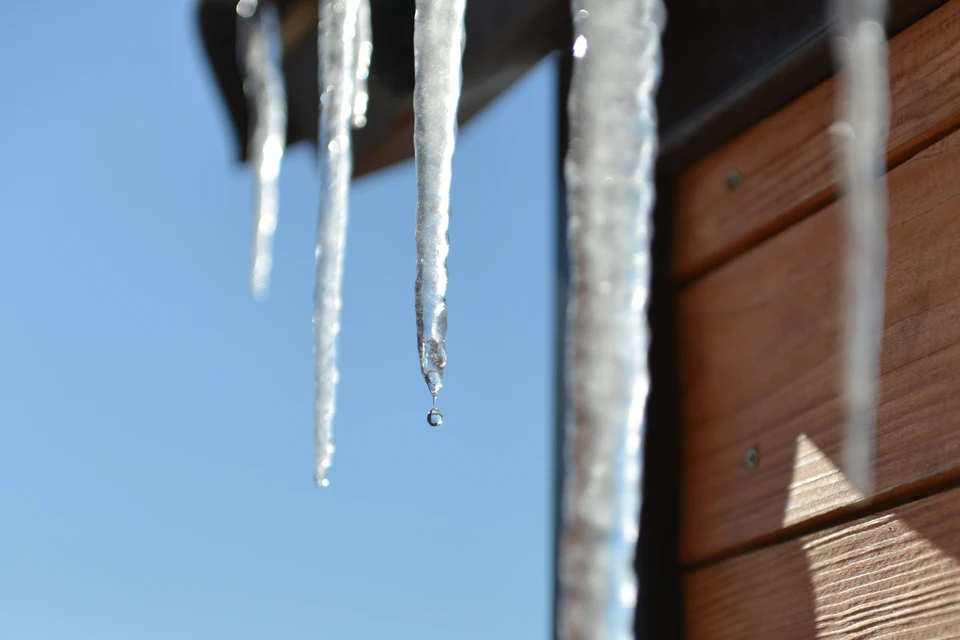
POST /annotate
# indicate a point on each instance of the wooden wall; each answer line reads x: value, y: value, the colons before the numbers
x: 775, y: 542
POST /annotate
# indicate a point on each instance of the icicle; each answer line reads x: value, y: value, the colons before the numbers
x: 261, y: 51
x: 438, y: 41
x: 609, y: 172
x: 364, y: 55
x: 338, y: 30
x: 861, y: 52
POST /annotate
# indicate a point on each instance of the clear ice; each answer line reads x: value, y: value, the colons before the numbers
x: 261, y: 53
x: 337, y: 41
x: 860, y: 48
x: 438, y: 40
x: 610, y: 190
x: 364, y: 53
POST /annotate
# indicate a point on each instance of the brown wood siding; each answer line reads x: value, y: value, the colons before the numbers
x: 759, y: 362
x: 893, y: 575
x: 785, y: 161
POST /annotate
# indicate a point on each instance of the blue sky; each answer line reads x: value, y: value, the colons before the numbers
x: 155, y: 422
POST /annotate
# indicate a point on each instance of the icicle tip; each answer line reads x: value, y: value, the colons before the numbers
x: 260, y: 281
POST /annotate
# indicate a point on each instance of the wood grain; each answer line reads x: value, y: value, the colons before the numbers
x: 758, y: 341
x: 895, y: 575
x: 786, y: 161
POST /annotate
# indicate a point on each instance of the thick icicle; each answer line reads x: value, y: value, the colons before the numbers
x: 338, y: 30
x: 861, y: 53
x: 609, y: 172
x: 438, y: 41
x: 364, y: 54
x: 261, y: 53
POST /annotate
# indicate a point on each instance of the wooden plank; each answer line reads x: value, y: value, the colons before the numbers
x: 786, y: 161
x: 895, y: 575
x: 758, y: 341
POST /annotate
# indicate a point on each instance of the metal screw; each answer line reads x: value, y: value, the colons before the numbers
x: 752, y: 458
x: 734, y: 180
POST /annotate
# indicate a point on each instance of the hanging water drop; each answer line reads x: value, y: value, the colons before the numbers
x: 246, y: 8
x: 337, y: 41
x: 261, y: 52
x: 610, y: 193
x: 438, y: 41
x: 860, y: 50
x: 434, y: 417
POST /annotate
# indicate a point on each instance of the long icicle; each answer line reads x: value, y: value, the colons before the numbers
x: 861, y: 52
x: 337, y: 35
x: 438, y: 41
x: 364, y: 55
x: 261, y: 53
x: 609, y: 172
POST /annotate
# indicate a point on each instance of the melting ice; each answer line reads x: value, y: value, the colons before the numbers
x: 364, y: 53
x: 610, y: 190
x: 864, y: 112
x: 337, y: 42
x: 261, y: 56
x: 438, y: 40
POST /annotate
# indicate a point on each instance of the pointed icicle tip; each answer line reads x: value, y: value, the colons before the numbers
x: 261, y: 50
x: 337, y: 41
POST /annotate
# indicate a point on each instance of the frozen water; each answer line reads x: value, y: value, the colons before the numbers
x: 261, y: 54
x: 337, y: 41
x: 439, y: 38
x: 364, y: 54
x: 610, y: 192
x: 864, y: 112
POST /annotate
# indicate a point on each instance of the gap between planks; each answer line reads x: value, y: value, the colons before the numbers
x: 893, y: 574
x: 758, y: 360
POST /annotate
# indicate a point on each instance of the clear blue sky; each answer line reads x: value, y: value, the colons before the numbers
x: 155, y: 422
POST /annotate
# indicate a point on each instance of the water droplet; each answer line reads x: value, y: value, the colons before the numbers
x: 246, y: 8
x: 434, y: 417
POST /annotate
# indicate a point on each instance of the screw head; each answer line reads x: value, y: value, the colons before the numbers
x: 752, y: 458
x: 734, y: 180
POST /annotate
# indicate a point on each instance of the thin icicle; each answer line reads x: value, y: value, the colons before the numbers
x: 438, y: 40
x: 364, y: 55
x: 609, y: 172
x: 337, y: 39
x: 861, y: 52
x: 261, y: 52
